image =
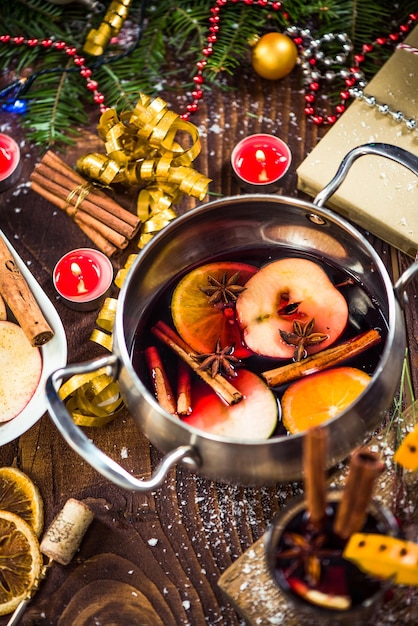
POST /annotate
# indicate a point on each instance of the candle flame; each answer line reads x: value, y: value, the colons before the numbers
x: 260, y: 156
x: 76, y: 271
x: 7, y: 155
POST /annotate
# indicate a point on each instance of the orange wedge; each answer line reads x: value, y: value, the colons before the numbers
x: 20, y: 561
x: 201, y: 322
x: 319, y: 397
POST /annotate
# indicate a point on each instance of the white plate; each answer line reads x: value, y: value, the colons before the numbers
x: 54, y: 356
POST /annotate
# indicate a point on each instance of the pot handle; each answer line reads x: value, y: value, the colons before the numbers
x: 399, y: 155
x: 403, y: 281
x: 76, y: 438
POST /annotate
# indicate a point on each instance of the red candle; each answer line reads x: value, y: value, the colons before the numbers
x: 9, y: 162
x: 260, y: 160
x: 83, y: 277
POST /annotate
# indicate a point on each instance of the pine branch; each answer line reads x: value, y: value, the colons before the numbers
x: 162, y: 50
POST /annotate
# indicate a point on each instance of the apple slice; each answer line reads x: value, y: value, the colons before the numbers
x: 285, y: 291
x: 20, y: 370
x: 254, y: 418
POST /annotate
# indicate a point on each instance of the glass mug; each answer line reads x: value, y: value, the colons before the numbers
x: 289, y: 556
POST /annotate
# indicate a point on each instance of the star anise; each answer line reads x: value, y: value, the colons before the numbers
x: 220, y: 361
x: 224, y: 291
x: 301, y: 337
x: 306, y: 552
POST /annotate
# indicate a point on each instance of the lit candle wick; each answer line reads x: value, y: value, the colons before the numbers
x: 76, y: 271
x: 6, y: 153
x: 261, y: 158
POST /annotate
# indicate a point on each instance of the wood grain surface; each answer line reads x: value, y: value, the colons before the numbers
x: 157, y: 558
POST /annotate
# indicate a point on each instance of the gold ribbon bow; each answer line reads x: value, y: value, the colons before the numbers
x: 151, y: 148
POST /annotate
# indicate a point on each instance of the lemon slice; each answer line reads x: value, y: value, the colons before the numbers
x: 384, y: 557
x: 20, y: 561
x: 21, y: 496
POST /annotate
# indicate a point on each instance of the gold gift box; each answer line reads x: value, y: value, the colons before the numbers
x: 378, y: 194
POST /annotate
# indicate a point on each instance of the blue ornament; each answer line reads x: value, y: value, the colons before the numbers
x: 18, y: 106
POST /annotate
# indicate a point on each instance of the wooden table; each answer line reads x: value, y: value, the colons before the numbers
x: 158, y: 556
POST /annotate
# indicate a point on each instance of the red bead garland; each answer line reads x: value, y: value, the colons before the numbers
x: 71, y: 52
x: 313, y: 88
x: 211, y: 40
x: 350, y: 80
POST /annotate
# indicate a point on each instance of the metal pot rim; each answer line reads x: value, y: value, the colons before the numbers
x: 121, y: 348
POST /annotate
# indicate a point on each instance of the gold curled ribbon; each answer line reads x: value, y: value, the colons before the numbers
x: 151, y: 148
x: 94, y: 399
x: 98, y: 38
x: 105, y: 320
x: 123, y: 272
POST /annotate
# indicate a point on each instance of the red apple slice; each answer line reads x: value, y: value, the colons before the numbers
x: 20, y: 370
x: 254, y: 418
x: 283, y: 291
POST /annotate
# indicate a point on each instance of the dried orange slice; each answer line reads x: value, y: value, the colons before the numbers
x: 319, y: 397
x: 20, y: 561
x: 201, y: 322
x: 21, y: 496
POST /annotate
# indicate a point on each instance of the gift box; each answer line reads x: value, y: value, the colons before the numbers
x: 379, y: 195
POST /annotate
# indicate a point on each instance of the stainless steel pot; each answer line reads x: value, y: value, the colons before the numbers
x: 224, y: 227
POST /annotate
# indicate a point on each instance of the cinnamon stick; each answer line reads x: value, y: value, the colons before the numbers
x: 365, y: 468
x: 101, y: 242
x: 21, y: 301
x: 220, y: 385
x: 63, y: 190
x: 160, y: 382
x: 322, y: 360
x: 54, y: 162
x: 315, y: 450
x: 80, y: 217
x: 184, y: 387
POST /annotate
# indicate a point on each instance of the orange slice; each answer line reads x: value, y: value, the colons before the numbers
x: 20, y: 495
x: 20, y: 561
x: 319, y: 397
x: 200, y: 322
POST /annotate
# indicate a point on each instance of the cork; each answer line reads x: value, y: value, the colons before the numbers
x: 64, y: 535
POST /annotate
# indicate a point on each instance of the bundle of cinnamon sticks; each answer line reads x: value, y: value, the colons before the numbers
x: 109, y: 226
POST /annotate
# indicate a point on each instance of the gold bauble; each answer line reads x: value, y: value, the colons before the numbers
x: 274, y: 56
